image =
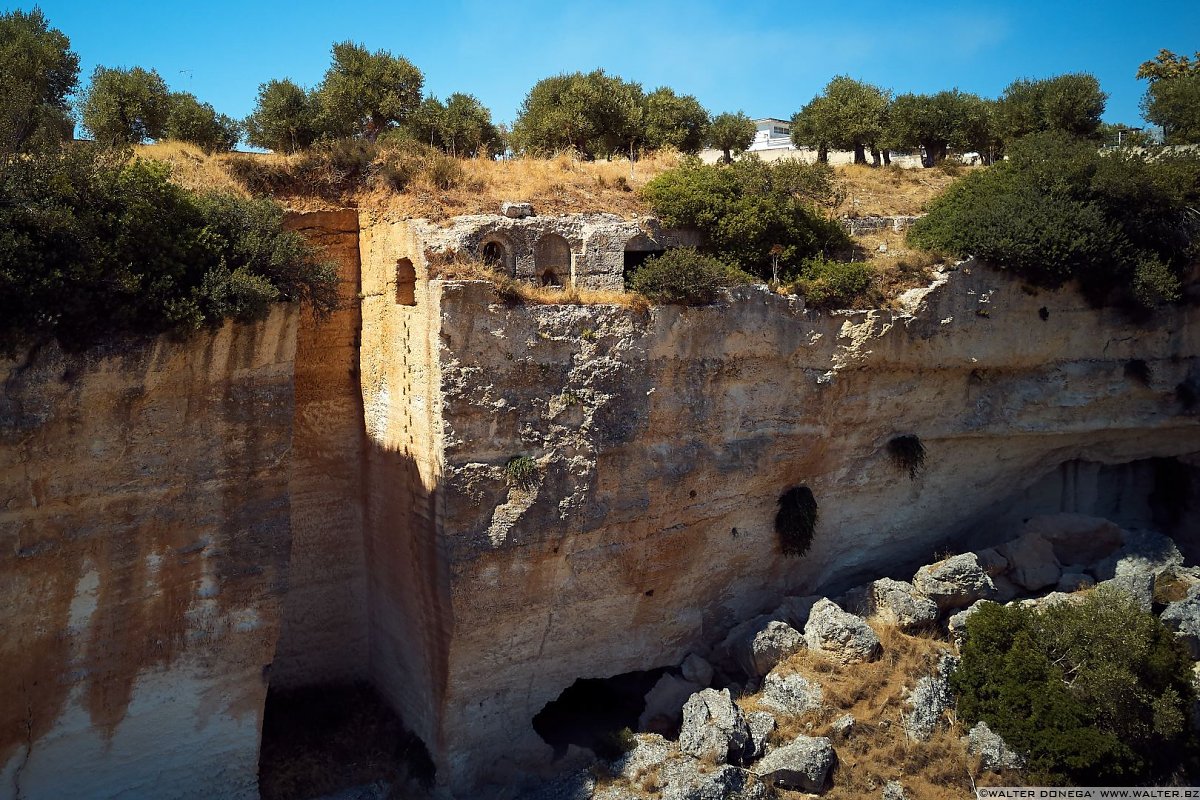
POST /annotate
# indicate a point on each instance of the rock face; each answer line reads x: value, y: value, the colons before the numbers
x: 899, y: 603
x: 791, y: 694
x: 1076, y: 538
x: 144, y: 538
x: 1031, y: 562
x: 802, y: 765
x: 994, y: 754
x: 831, y: 630
x: 929, y: 701
x: 714, y: 727
x: 956, y: 582
x: 1183, y: 617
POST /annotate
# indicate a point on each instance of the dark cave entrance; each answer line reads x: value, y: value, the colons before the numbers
x: 321, y: 739
x: 635, y: 258
x: 592, y: 712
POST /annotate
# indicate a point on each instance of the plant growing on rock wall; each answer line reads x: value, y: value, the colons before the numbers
x: 684, y: 277
x: 796, y: 520
x: 520, y: 471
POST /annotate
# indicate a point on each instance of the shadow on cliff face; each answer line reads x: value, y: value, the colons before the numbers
x: 592, y: 712
x: 321, y: 739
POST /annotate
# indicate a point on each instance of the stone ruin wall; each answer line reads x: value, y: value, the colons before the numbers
x: 663, y: 440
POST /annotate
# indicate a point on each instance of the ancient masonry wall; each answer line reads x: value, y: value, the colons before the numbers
x: 143, y: 559
x: 324, y: 633
x: 663, y: 441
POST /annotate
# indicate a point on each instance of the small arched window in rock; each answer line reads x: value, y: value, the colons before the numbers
x: 493, y: 254
x: 406, y: 283
x: 550, y: 278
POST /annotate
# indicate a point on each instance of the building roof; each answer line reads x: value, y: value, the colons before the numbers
x: 773, y: 119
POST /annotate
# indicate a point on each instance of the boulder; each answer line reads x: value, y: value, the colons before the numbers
x: 795, y: 610
x: 688, y: 779
x: 649, y: 752
x: 733, y: 653
x: 774, y: 643
x: 993, y: 753
x: 1143, y: 552
x: 1074, y: 582
x: 899, y: 603
x: 1183, y: 617
x: 929, y: 700
x: 1006, y: 590
x: 697, y: 670
x: 802, y: 765
x: 789, y: 694
x: 1076, y: 538
x: 894, y: 790
x: 992, y: 562
x: 664, y: 703
x: 516, y: 210
x: 714, y: 728
x: 761, y: 724
x: 832, y: 630
x: 1138, y: 585
x: 954, y: 583
x: 956, y: 625
x: 1031, y: 562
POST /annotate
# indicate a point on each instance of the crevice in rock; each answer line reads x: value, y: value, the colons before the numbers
x: 591, y: 712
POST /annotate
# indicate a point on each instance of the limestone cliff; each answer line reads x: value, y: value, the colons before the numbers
x: 143, y: 556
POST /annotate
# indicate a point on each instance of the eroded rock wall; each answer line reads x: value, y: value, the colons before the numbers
x: 664, y: 439
x: 144, y: 533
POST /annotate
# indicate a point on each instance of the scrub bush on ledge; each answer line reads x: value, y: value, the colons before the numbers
x: 684, y: 277
x: 95, y: 244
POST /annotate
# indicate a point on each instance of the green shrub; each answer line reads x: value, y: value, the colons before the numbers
x: 833, y: 284
x: 444, y: 172
x: 520, y: 470
x: 94, y: 244
x: 1057, y: 210
x: 796, y: 520
x: 747, y: 208
x: 685, y: 277
x: 1095, y: 693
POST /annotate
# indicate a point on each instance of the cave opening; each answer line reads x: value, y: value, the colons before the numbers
x: 592, y: 712
x: 634, y: 259
x: 322, y: 739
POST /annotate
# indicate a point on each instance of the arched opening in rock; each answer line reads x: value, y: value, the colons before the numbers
x: 406, y: 283
x: 592, y: 712
x: 496, y: 251
x: 322, y: 739
x: 637, y: 250
x: 552, y: 259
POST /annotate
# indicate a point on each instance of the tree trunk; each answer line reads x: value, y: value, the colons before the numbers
x: 860, y: 154
x: 822, y: 154
x: 887, y: 157
x: 728, y: 158
x: 876, y: 160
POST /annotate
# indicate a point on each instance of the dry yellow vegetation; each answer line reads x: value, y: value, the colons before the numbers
x: 892, y: 191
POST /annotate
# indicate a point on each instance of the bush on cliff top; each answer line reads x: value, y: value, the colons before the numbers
x: 685, y: 277
x: 1094, y: 694
x: 95, y: 244
x: 1122, y: 223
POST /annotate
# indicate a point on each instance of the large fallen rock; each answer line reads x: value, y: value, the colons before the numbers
x: 1031, y: 562
x: 832, y: 630
x: 899, y: 603
x: 802, y: 765
x: 697, y: 670
x: 994, y: 754
x: 688, y: 779
x: 1183, y: 617
x: 774, y: 643
x: 1143, y: 552
x: 664, y: 703
x: 789, y: 694
x: 954, y: 583
x: 956, y: 625
x: 714, y: 728
x: 1138, y: 585
x: 1076, y: 538
x: 762, y: 724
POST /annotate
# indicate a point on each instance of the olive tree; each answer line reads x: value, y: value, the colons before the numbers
x: 40, y: 71
x: 1069, y: 103
x: 190, y: 120
x: 1173, y: 99
x: 284, y: 118
x: 125, y: 106
x: 848, y: 115
x: 730, y: 133
x: 936, y: 122
x: 364, y: 93
x: 673, y: 120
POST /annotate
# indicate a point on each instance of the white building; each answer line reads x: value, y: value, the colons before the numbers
x: 772, y: 134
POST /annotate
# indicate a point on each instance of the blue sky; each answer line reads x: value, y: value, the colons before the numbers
x: 765, y: 57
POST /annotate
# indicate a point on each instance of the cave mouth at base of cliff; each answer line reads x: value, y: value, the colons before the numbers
x: 325, y: 738
x: 592, y: 712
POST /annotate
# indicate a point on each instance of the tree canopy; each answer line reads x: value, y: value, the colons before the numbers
x: 848, y: 115
x: 189, y: 120
x: 365, y: 93
x: 462, y: 126
x: 125, y: 106
x: 285, y: 118
x: 1172, y: 100
x: 1069, y: 103
x: 40, y: 71
x: 938, y: 123
x: 675, y: 121
x: 731, y: 133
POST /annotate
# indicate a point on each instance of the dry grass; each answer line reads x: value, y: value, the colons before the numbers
x: 891, y: 191
x: 878, y: 750
x: 519, y: 292
x: 191, y: 167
